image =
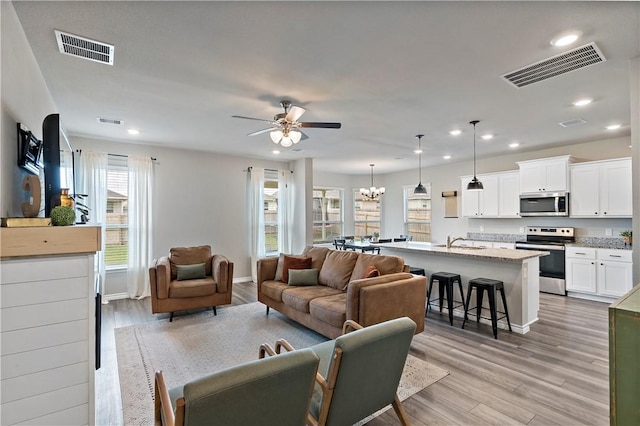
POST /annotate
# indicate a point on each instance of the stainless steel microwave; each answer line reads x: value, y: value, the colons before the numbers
x: 545, y: 204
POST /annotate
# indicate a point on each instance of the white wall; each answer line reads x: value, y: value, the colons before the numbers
x: 199, y: 198
x: 447, y: 178
x: 25, y: 99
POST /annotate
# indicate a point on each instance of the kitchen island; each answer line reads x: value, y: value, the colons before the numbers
x: 518, y: 269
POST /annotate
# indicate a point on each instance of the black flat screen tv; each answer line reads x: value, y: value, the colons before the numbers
x: 29, y: 150
x: 51, y: 157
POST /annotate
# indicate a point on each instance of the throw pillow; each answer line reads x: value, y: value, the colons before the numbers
x: 371, y: 272
x: 190, y: 256
x: 294, y: 262
x: 303, y: 276
x: 191, y: 272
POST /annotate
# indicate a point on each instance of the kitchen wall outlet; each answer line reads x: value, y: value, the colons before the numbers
x: 522, y: 229
x: 607, y: 232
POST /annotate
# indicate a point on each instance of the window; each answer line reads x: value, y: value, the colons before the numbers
x: 271, y: 212
x: 366, y: 215
x: 417, y: 213
x: 116, y: 243
x: 327, y: 214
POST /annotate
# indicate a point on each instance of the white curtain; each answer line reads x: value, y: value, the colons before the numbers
x: 140, y: 235
x: 92, y: 180
x: 285, y: 211
x: 255, y: 202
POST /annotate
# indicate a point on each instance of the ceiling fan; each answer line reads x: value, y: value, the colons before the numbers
x: 284, y: 126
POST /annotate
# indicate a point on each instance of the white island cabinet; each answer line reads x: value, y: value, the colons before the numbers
x: 47, y: 312
x: 518, y: 269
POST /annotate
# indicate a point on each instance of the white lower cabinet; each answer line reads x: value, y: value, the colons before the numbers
x: 601, y: 272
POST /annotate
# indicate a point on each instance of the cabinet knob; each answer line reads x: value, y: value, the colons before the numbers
x: 605, y: 212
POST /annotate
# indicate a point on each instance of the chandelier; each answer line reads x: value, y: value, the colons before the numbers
x: 285, y: 137
x: 372, y: 193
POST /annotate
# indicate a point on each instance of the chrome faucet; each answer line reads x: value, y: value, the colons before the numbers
x: 451, y: 241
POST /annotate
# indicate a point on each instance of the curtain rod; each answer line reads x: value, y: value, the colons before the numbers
x: 267, y: 170
x: 118, y: 155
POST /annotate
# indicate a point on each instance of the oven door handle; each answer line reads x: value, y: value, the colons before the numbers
x: 539, y: 247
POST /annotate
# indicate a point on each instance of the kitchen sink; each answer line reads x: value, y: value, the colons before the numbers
x: 461, y: 247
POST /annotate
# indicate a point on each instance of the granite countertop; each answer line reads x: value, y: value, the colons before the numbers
x: 508, y: 255
x: 594, y: 242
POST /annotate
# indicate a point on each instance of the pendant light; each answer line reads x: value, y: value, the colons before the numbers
x: 475, y: 184
x: 420, y: 189
x: 372, y: 193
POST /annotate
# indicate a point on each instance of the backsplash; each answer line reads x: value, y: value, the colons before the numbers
x: 596, y: 242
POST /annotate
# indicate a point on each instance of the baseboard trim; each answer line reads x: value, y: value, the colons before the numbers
x: 242, y: 280
x: 114, y: 296
x: 593, y: 297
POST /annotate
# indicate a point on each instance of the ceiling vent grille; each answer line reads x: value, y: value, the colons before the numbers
x: 571, y: 123
x: 575, y: 59
x: 84, y: 48
x: 110, y: 121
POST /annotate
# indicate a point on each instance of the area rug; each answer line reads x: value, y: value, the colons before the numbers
x: 195, y: 345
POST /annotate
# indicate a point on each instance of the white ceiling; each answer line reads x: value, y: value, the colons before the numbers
x: 386, y: 70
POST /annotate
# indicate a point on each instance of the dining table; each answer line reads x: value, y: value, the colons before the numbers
x: 363, y: 246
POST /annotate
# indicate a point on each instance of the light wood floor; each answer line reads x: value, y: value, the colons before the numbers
x: 557, y: 374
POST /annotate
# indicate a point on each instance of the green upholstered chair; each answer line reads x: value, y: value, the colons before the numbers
x: 359, y: 372
x: 269, y: 391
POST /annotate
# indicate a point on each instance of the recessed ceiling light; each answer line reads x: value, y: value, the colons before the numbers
x: 417, y: 151
x: 455, y: 132
x: 487, y: 137
x: 566, y: 38
x: 446, y: 157
x: 613, y: 127
x: 582, y: 102
x: 275, y: 151
x: 133, y: 132
x: 514, y: 145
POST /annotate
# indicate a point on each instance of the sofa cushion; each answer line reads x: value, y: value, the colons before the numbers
x: 191, y: 272
x: 317, y: 255
x: 303, y: 277
x: 294, y: 262
x: 337, y: 268
x: 273, y: 289
x: 280, y: 267
x: 384, y: 264
x: 298, y: 298
x: 192, y: 288
x: 190, y: 256
x: 330, y: 309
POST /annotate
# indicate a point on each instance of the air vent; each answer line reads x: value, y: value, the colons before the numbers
x: 580, y: 57
x: 110, y: 121
x: 84, y: 48
x: 571, y: 123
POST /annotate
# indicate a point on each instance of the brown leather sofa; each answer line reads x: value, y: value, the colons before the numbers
x: 341, y: 294
x: 190, y: 278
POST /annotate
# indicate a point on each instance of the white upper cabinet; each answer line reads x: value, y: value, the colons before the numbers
x: 601, y: 189
x: 499, y: 198
x: 545, y: 175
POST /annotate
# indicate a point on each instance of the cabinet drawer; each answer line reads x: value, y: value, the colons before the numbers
x: 581, y: 252
x: 615, y: 255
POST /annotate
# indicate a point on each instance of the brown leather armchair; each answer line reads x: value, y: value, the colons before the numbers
x: 190, y: 278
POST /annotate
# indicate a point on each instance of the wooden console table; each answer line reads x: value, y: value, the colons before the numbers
x: 47, y: 315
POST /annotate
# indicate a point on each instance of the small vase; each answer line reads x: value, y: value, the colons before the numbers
x: 627, y: 240
x: 65, y: 198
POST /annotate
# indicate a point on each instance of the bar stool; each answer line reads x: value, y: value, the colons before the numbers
x: 416, y: 271
x: 491, y: 286
x: 445, y: 285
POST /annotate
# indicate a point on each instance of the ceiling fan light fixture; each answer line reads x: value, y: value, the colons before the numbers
x: 276, y: 136
x: 295, y: 136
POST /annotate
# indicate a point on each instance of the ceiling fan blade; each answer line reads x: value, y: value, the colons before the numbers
x: 304, y: 136
x: 259, y: 132
x: 321, y: 125
x: 251, y: 118
x: 295, y: 112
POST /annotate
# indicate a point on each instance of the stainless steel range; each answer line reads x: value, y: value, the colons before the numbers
x: 553, y: 240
